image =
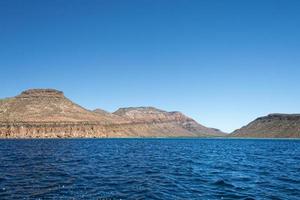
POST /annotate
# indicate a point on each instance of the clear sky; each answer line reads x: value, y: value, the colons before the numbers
x: 224, y: 63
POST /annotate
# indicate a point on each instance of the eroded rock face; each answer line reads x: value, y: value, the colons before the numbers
x: 90, y: 130
x: 47, y: 113
x: 271, y: 126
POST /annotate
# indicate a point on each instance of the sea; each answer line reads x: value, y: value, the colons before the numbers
x: 113, y: 169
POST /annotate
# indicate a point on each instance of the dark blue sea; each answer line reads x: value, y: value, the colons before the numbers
x: 150, y: 169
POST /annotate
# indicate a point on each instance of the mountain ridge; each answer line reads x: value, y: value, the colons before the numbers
x: 47, y: 113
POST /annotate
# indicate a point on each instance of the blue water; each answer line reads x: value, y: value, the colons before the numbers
x: 150, y: 169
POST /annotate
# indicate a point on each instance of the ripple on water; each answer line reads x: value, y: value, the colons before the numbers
x: 150, y: 169
x: 223, y: 183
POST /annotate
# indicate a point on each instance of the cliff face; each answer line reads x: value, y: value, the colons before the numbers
x: 271, y: 126
x: 47, y: 113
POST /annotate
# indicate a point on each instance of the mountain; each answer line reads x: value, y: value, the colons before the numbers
x: 47, y: 113
x: 154, y: 115
x: 271, y: 126
x: 46, y: 105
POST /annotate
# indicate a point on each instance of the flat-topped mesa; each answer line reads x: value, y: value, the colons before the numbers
x: 41, y: 93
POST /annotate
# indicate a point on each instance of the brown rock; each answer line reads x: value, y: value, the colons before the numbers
x: 271, y: 126
x: 154, y: 115
x: 47, y: 113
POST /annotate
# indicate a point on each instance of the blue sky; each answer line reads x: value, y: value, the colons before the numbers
x: 224, y: 63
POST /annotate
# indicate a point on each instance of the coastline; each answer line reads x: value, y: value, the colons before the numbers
x: 154, y: 138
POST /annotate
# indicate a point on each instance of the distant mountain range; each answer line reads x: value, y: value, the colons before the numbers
x: 47, y: 113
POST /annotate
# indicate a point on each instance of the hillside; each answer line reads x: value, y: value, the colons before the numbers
x: 46, y: 105
x: 271, y: 126
x: 47, y: 113
x: 154, y: 115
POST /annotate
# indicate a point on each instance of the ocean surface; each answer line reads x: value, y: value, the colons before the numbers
x: 150, y: 169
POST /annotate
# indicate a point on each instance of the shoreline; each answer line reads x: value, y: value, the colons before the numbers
x: 154, y: 138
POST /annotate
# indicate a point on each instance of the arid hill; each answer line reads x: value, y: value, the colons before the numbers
x: 154, y: 115
x: 271, y: 126
x: 47, y: 113
x: 46, y: 105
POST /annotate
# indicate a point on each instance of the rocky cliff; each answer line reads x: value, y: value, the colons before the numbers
x: 47, y: 113
x: 271, y: 126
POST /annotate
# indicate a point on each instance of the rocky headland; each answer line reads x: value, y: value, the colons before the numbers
x: 271, y: 126
x: 47, y: 113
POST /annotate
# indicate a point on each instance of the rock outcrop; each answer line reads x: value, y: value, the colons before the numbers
x: 271, y: 126
x: 47, y: 113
